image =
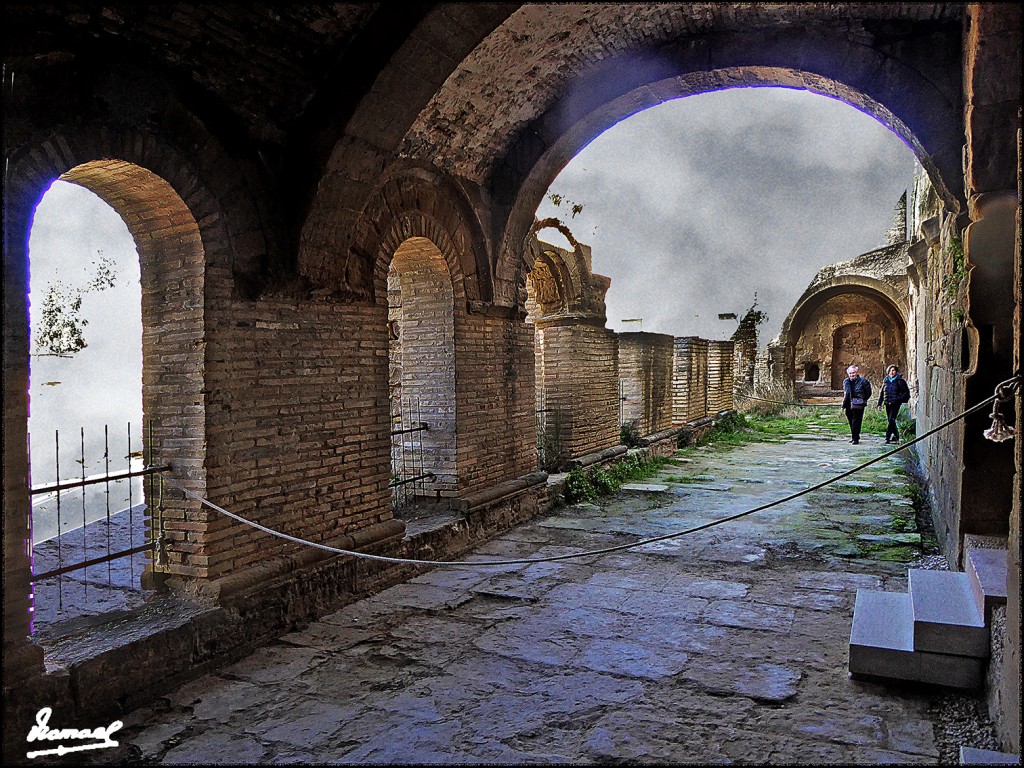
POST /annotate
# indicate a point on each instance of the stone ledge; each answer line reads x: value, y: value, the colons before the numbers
x: 599, y: 457
x: 498, y: 492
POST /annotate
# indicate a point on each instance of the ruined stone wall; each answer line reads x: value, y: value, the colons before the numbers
x: 847, y: 329
x: 940, y: 365
x: 721, y: 376
x: 689, y: 379
x: 745, y: 354
x: 581, y: 384
x: 645, y: 376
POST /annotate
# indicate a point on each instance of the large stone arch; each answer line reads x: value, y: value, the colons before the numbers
x: 522, y: 195
x: 833, y: 305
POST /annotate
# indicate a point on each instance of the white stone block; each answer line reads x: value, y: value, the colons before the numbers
x: 947, y: 618
x: 986, y: 569
x: 882, y: 645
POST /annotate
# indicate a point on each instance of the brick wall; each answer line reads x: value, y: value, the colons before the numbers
x: 581, y: 388
x: 495, y: 399
x: 689, y: 379
x: 297, y: 429
x: 645, y: 376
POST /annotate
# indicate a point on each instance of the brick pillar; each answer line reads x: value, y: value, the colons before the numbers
x: 645, y: 374
x: 581, y: 388
x: 689, y: 379
x: 721, y: 375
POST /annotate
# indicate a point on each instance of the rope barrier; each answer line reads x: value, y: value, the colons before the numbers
x: 1000, y: 393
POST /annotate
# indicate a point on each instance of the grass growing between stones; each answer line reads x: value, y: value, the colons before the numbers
x: 589, y: 484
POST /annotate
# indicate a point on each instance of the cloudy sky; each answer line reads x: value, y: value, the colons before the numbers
x: 102, y: 384
x: 694, y: 205
x: 691, y: 207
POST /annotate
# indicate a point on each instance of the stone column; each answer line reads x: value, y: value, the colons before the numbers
x: 991, y: 478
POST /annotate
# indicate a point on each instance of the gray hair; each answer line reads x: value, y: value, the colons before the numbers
x: 852, y: 369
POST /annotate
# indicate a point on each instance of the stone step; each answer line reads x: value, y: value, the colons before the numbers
x: 882, y: 645
x: 987, y: 571
x: 947, y: 618
x: 975, y: 756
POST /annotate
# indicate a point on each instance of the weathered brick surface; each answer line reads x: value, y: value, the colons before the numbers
x: 495, y: 400
x: 298, y: 435
x: 689, y: 379
x: 721, y: 376
x: 645, y: 376
x: 581, y: 388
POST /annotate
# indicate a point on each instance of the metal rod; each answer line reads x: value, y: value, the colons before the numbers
x: 94, y: 561
x: 99, y: 479
x: 131, y: 505
x: 423, y: 427
x: 106, y: 465
x: 60, y: 559
x: 85, y: 544
x: 412, y: 479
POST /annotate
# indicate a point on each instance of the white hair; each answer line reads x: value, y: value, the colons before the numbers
x: 852, y: 369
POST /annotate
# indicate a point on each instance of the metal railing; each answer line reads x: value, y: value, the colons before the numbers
x: 100, y: 516
x: 408, y: 470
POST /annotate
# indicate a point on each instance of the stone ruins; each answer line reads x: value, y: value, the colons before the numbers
x: 344, y: 286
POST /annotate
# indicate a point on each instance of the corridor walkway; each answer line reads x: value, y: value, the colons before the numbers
x: 729, y: 645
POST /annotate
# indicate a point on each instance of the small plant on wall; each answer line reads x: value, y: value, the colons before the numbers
x: 953, y: 281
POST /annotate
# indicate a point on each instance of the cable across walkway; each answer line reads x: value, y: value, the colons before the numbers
x: 1002, y: 394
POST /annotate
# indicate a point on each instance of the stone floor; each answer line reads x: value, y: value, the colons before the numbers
x: 724, y: 646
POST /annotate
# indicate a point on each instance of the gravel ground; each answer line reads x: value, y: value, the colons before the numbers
x: 961, y: 719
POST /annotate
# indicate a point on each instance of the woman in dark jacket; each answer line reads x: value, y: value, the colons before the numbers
x: 893, y: 394
x: 857, y: 393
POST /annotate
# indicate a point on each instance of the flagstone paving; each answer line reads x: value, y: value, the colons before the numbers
x: 728, y: 645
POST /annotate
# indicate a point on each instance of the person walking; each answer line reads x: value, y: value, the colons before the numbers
x: 857, y: 392
x: 894, y: 393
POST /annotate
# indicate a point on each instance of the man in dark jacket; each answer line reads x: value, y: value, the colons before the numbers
x: 894, y: 394
x: 857, y: 391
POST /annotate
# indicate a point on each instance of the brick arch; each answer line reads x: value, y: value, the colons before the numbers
x: 185, y: 253
x: 930, y: 124
x: 410, y: 205
x: 421, y: 319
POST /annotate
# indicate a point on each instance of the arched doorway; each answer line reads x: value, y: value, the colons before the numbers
x: 421, y: 375
x: 165, y: 317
